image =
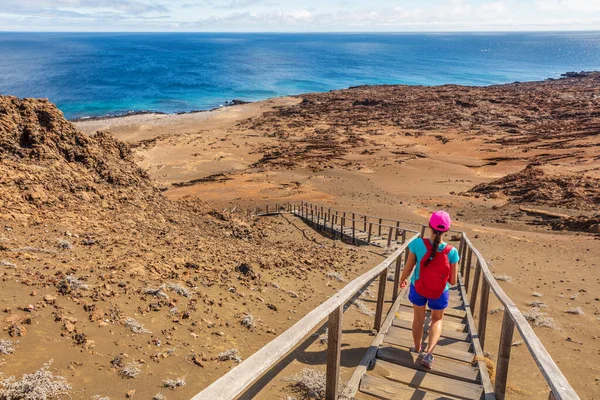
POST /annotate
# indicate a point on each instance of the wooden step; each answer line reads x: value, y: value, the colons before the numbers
x: 444, y: 341
x: 442, y: 366
x: 403, y: 338
x: 385, y: 389
x: 446, y: 333
x: 426, y: 381
x: 448, y: 325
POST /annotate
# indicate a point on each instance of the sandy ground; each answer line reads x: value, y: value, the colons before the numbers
x: 212, y: 156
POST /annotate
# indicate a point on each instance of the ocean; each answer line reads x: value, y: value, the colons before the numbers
x: 97, y: 74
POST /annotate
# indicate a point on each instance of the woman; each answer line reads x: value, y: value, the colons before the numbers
x: 434, y: 273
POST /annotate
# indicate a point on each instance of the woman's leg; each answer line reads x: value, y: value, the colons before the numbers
x: 435, y: 331
x: 417, y: 326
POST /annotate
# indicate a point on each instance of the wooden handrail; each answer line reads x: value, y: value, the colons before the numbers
x: 559, y: 386
x: 236, y: 381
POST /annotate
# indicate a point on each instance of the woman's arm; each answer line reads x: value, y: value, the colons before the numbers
x: 410, y: 265
x: 453, y: 274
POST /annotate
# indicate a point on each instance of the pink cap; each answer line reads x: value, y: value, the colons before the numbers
x: 440, y: 221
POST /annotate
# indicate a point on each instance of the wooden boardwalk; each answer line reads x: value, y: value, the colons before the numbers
x: 396, y: 373
x: 388, y: 370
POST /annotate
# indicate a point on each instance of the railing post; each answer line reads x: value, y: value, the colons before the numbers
x: 473, y: 302
x: 468, y: 271
x: 403, y: 237
x: 389, y: 242
x: 423, y: 231
x: 276, y: 208
x: 397, y: 230
x: 342, y: 228
x: 464, y: 253
x: 267, y: 210
x: 506, y: 337
x: 460, y: 254
x: 379, y: 231
x: 334, y: 336
x: 397, y: 277
x: 370, y: 229
x: 483, y: 311
x: 380, y: 299
x: 365, y: 223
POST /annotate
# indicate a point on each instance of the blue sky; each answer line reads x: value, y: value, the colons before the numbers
x: 298, y: 15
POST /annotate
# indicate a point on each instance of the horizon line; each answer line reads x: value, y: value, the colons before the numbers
x: 323, y: 32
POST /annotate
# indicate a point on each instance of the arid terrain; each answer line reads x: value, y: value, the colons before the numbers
x: 131, y: 250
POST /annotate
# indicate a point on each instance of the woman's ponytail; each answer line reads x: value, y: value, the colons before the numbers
x: 437, y: 240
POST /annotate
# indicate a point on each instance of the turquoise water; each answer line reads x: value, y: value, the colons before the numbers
x: 92, y: 74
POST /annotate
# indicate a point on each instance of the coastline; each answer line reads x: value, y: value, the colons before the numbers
x: 236, y: 102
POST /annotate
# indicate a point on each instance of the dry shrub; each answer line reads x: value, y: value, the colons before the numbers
x: 7, y: 346
x: 41, y: 385
x: 537, y: 318
x: 248, y: 321
x: 575, y: 311
x: 174, y: 383
x: 503, y: 278
x: 231, y: 354
x: 309, y: 382
x: 363, y: 309
x: 130, y: 371
x: 135, y: 326
x: 537, y: 304
x: 537, y: 294
x: 179, y: 289
x: 496, y: 310
x: 335, y: 275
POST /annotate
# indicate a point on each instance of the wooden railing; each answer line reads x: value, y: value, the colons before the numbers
x: 559, y: 386
x: 236, y: 381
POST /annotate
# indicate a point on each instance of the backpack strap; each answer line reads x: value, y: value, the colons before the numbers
x: 447, y: 250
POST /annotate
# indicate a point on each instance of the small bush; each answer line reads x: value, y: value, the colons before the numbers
x: 29, y: 249
x: 309, y: 382
x: 363, y: 309
x: 503, y: 278
x: 130, y: 371
x: 537, y: 318
x: 179, y: 289
x: 231, y: 354
x: 335, y: 275
x: 537, y: 304
x: 496, y: 310
x: 575, y: 311
x: 41, y: 385
x: 248, y: 321
x: 4, y: 263
x: 135, y: 326
x: 537, y: 294
x: 158, y: 292
x: 159, y: 396
x: 7, y: 346
x: 63, y: 244
x: 174, y: 383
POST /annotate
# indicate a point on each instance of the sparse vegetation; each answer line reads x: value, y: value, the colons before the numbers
x: 309, y: 382
x: 496, y: 310
x: 63, y: 244
x: 503, y: 278
x: 158, y: 292
x: 231, y: 354
x: 135, y: 326
x: 537, y: 304
x: 159, y: 396
x: 537, y: 294
x: 248, y: 321
x: 4, y: 263
x: 537, y: 318
x: 29, y: 249
x: 179, y: 289
x: 7, y: 346
x: 363, y: 309
x: 41, y: 385
x: 130, y: 371
x: 335, y: 275
x: 575, y: 311
x: 174, y: 383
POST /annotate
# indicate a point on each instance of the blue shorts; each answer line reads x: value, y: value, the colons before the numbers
x: 434, y: 304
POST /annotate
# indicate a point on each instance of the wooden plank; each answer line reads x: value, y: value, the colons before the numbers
x: 464, y: 336
x: 240, y: 377
x: 334, y: 347
x: 384, y: 389
x: 427, y: 382
x: 405, y: 340
x: 448, y: 325
x: 397, y: 332
x: 443, y: 366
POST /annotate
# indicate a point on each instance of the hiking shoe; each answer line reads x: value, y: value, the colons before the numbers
x: 428, y: 360
x: 413, y: 349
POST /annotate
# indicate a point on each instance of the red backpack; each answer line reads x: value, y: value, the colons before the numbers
x: 433, y: 277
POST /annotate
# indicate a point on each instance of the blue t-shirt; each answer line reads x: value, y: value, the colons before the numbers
x: 417, y: 247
